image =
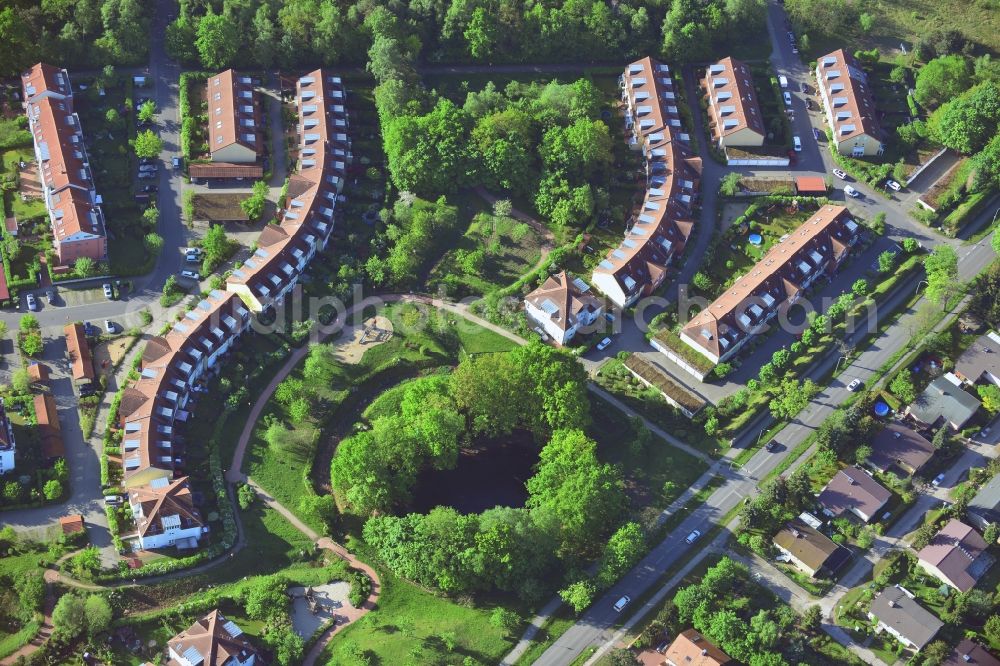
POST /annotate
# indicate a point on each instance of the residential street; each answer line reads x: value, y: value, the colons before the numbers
x: 594, y: 627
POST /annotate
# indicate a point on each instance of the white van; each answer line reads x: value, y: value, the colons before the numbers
x: 783, y: 80
x: 622, y: 603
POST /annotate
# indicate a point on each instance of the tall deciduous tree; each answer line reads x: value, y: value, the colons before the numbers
x: 218, y: 40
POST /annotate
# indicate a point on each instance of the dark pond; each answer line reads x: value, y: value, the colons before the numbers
x: 491, y: 474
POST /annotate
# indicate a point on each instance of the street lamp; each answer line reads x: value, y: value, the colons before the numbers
x: 920, y: 283
x: 839, y: 361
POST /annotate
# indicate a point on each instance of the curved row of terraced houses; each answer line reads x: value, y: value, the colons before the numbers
x: 662, y: 225
x: 175, y: 365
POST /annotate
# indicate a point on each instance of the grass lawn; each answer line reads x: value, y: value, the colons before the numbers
x: 656, y: 474
x: 415, y: 626
x: 734, y: 256
x: 909, y: 19
x: 555, y: 627
x: 219, y: 207
x: 414, y: 346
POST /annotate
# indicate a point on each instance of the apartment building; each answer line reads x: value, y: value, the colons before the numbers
x: 7, y: 444
x: 172, y: 368
x: 776, y: 282
x: 562, y: 306
x: 165, y: 515
x: 849, y: 105
x: 284, y: 250
x: 234, y: 118
x: 153, y: 408
x: 71, y: 199
x: 734, y: 113
x: 660, y: 227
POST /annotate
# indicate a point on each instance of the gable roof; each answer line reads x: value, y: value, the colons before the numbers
x: 773, y: 279
x: 810, y: 546
x: 953, y: 551
x: 734, y: 104
x: 232, y: 112
x: 43, y: 78
x: 690, y: 648
x: 563, y: 297
x: 970, y: 652
x: 986, y: 503
x: 897, y: 610
x: 163, y: 498
x: 942, y: 399
x: 982, y: 356
x: 843, y: 80
x: 851, y: 488
x: 49, y: 429
x: 79, y: 352
x: 212, y: 641
x: 898, y: 444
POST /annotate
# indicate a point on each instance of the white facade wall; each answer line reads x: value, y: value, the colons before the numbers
x: 236, y: 153
x: 6, y: 460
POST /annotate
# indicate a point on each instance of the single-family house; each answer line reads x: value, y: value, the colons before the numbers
x: 690, y: 648
x: 734, y: 116
x: 72, y: 202
x: 900, y: 446
x: 49, y: 429
x: 165, y: 514
x: 810, y: 550
x: 984, y: 509
x: 956, y: 555
x: 234, y: 118
x: 944, y: 401
x: 562, y: 306
x: 849, y: 105
x: 776, y: 282
x: 7, y: 444
x: 851, y: 490
x: 213, y: 640
x: 969, y: 652
x: 981, y: 361
x: 78, y: 350
x: 902, y: 617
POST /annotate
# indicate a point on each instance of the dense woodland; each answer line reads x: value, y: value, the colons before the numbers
x: 294, y: 33
x: 575, y: 501
x: 74, y: 33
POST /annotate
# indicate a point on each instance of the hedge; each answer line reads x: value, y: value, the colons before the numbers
x: 959, y: 217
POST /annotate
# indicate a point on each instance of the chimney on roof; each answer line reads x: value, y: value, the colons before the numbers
x: 892, y: 604
x: 704, y: 652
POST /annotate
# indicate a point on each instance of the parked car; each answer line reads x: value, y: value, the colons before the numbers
x: 192, y: 275
x: 89, y: 329
x: 817, y: 134
x: 662, y: 647
x: 109, y: 293
x: 145, y: 175
x: 840, y: 174
x: 854, y: 385
x: 787, y: 97
x: 177, y: 162
x: 851, y: 192
x: 603, y: 344
x: 112, y: 499
x: 805, y: 88
x: 31, y: 302
x: 797, y: 144
x: 694, y: 536
x: 893, y: 185
x: 937, y: 480
x: 110, y: 326
x: 50, y: 296
x: 795, y: 49
x: 148, y: 189
x: 622, y: 603
x: 148, y: 167
x: 809, y: 104
x: 783, y: 81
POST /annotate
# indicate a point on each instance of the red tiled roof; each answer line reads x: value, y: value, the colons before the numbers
x: 79, y: 352
x: 733, y: 105
x: 845, y: 84
x: 229, y: 120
